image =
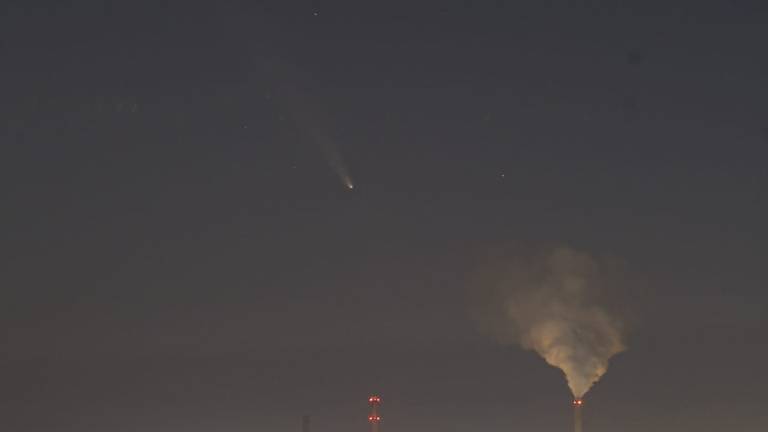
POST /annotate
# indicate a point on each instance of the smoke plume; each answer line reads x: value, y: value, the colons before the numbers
x: 548, y: 303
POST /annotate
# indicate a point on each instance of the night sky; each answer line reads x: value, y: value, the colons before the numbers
x: 179, y: 253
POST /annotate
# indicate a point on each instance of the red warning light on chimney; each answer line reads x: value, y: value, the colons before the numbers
x: 374, y: 418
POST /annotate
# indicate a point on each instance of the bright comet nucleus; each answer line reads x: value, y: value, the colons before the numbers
x: 348, y: 182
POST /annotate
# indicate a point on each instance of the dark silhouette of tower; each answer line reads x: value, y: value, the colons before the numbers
x: 374, y: 418
x: 577, y: 404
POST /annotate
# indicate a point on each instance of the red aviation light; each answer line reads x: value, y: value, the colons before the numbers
x: 578, y: 402
x: 373, y: 416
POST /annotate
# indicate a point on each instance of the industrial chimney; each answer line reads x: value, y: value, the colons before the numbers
x: 305, y: 423
x: 577, y: 404
x: 374, y: 418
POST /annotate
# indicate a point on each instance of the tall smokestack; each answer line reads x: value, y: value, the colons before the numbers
x: 577, y: 406
x: 374, y: 418
x: 305, y: 423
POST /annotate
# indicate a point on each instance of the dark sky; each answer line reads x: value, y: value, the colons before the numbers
x: 178, y: 255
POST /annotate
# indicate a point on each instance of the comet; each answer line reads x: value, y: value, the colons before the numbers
x: 311, y: 118
x: 335, y: 161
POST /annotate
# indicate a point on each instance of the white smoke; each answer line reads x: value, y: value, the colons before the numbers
x: 547, y: 303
